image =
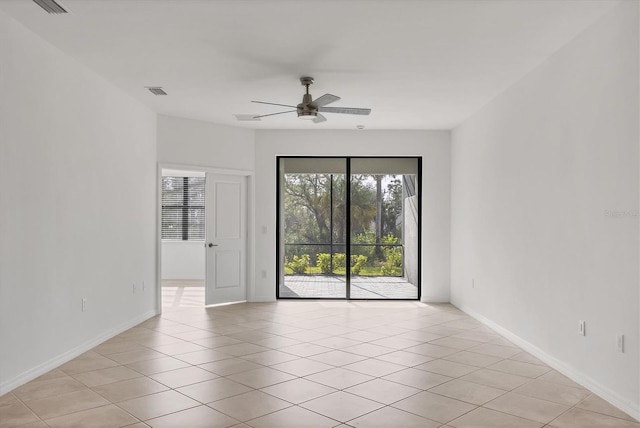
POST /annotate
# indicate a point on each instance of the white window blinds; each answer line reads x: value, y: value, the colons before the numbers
x: 183, y: 214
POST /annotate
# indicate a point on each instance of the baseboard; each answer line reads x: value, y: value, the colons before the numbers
x: 577, y: 376
x: 263, y: 299
x: 56, y: 361
x: 435, y: 299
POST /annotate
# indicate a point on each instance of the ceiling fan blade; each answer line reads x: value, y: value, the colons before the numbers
x: 319, y: 118
x: 325, y: 99
x: 345, y: 110
x: 246, y: 117
x: 273, y: 114
x: 273, y: 104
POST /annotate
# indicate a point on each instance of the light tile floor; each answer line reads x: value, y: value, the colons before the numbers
x: 182, y: 293
x: 308, y: 364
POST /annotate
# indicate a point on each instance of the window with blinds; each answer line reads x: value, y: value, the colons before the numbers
x: 183, y: 208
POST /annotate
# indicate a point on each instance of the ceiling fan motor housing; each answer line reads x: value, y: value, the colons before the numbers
x: 306, y: 109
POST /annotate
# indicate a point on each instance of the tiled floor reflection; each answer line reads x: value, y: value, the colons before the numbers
x: 181, y: 293
x: 308, y: 364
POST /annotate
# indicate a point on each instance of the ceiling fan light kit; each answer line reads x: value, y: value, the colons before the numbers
x: 310, y: 109
x: 307, y: 115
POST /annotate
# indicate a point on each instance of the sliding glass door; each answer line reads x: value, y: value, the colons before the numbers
x: 384, y: 228
x: 313, y: 228
x: 348, y: 227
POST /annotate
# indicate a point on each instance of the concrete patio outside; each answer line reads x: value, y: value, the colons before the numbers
x: 362, y: 287
x: 190, y: 293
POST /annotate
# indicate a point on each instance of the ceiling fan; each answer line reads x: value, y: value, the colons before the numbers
x: 311, y: 109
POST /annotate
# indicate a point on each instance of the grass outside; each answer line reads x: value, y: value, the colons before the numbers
x: 365, y: 271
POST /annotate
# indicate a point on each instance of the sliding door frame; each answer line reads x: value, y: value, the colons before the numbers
x: 279, y: 230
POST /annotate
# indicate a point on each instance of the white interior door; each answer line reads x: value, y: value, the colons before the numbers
x: 226, y: 233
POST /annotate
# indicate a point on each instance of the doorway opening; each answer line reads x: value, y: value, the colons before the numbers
x: 183, y: 237
x: 204, y: 228
x: 349, y: 227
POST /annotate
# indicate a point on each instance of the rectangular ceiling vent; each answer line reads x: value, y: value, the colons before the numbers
x: 156, y: 90
x: 50, y: 6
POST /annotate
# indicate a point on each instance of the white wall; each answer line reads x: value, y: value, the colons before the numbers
x: 534, y: 175
x: 197, y: 143
x: 77, y: 207
x: 183, y: 260
x: 434, y: 148
x: 194, y: 143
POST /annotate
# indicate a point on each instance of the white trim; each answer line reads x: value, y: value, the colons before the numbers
x: 251, y: 215
x: 575, y: 375
x: 251, y: 240
x: 159, y: 239
x: 57, y: 361
x: 434, y: 299
x: 166, y: 172
x: 214, y: 170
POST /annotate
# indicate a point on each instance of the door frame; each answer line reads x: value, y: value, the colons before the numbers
x: 279, y: 223
x: 250, y: 254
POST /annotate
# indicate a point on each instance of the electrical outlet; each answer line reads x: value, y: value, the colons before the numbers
x: 620, y: 342
x: 264, y: 273
x: 134, y: 288
x: 264, y: 230
x: 84, y: 304
x: 582, y: 328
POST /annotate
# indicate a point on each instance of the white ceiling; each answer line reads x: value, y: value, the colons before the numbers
x: 418, y: 64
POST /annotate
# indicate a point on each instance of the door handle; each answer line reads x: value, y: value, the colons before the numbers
x: 211, y: 244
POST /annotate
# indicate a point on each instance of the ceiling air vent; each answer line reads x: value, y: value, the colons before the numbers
x: 50, y: 6
x: 156, y: 90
